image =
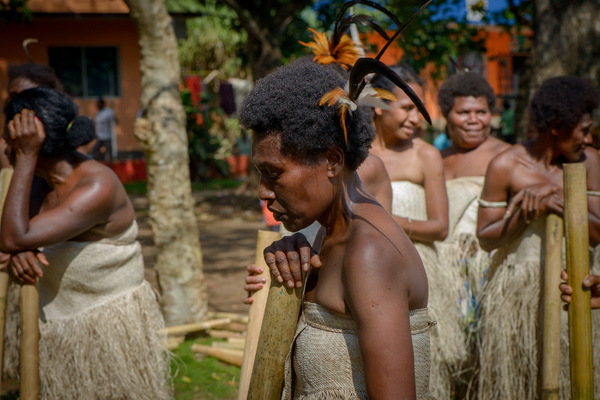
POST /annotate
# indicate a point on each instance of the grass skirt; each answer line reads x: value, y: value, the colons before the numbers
x: 510, y: 353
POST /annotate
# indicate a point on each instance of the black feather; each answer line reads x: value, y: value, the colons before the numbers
x: 365, y: 66
x: 399, y: 31
x: 338, y: 30
x: 360, y: 19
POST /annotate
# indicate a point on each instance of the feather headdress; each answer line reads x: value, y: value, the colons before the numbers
x: 359, y: 92
x: 340, y: 48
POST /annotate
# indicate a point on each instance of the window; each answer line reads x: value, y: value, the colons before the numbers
x: 87, y: 71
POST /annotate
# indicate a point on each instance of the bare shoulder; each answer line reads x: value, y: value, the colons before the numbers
x: 379, y: 254
x: 505, y: 160
x: 496, y: 145
x: 99, y: 180
x: 427, y: 151
x: 371, y: 167
x: 378, y: 242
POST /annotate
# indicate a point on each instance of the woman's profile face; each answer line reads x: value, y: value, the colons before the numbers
x: 296, y: 193
x: 401, y: 121
x: 572, y: 143
x: 469, y: 121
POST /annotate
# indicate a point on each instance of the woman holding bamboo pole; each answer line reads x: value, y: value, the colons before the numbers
x: 522, y: 185
x: 357, y: 335
x: 99, y: 320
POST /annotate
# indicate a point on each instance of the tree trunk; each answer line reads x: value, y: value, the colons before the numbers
x: 162, y: 135
x: 566, y: 42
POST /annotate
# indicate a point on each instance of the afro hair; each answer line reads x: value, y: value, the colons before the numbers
x: 65, y: 130
x: 561, y: 102
x: 286, y: 102
x: 403, y: 71
x: 464, y: 84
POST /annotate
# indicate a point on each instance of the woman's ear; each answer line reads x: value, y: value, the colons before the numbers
x: 335, y: 161
x: 378, y: 111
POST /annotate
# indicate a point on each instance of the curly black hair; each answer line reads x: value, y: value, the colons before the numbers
x: 403, y: 71
x: 41, y: 75
x: 464, y: 84
x: 561, y: 102
x: 65, y: 130
x: 287, y: 102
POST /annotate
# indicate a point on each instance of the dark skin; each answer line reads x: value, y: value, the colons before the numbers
x: 285, y: 255
x: 590, y: 282
x: 370, y: 270
x: 472, y: 146
x: 530, y: 177
x: 407, y: 158
x: 76, y: 198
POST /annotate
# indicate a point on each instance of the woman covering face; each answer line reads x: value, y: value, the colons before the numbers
x: 372, y: 282
x: 90, y: 271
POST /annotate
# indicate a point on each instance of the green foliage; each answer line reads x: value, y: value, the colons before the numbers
x: 199, y: 378
x: 438, y: 41
x: 202, y: 145
x: 15, y: 11
x: 215, y: 40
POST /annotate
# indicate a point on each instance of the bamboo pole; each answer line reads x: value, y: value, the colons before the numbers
x: 256, y: 313
x: 551, y: 341
x: 276, y: 336
x: 30, y: 362
x: 578, y: 266
x: 4, y: 279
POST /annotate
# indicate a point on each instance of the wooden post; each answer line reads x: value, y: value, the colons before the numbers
x: 4, y: 279
x: 578, y: 266
x: 30, y: 361
x: 552, y: 304
x: 256, y: 313
x: 276, y: 335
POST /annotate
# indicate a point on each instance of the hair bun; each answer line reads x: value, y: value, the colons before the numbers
x: 81, y: 132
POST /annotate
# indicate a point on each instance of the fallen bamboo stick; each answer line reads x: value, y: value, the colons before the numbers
x: 232, y: 316
x: 228, y: 345
x: 233, y: 357
x: 218, y: 334
x: 578, y: 266
x: 233, y: 327
x: 30, y: 361
x: 276, y: 336
x: 199, y: 326
x: 256, y: 313
x: 552, y: 304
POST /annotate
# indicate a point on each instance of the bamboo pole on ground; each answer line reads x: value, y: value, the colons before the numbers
x: 256, y: 313
x: 276, y: 335
x: 30, y: 362
x: 233, y: 357
x: 4, y: 279
x: 551, y: 333
x: 578, y: 266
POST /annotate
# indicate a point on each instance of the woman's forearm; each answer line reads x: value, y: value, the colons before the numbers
x: 500, y: 232
x: 15, y: 216
x: 424, y: 231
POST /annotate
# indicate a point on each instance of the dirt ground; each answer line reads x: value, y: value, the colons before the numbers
x: 228, y: 222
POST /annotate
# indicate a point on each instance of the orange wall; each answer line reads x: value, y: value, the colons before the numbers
x: 497, y: 44
x: 82, y: 32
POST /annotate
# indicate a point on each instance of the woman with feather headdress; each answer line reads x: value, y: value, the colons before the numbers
x: 364, y: 329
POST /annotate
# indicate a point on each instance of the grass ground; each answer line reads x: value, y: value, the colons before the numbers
x: 196, y: 377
